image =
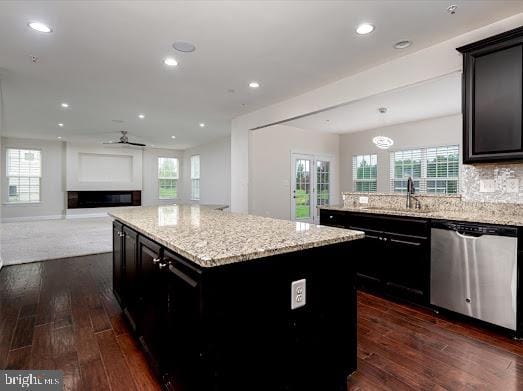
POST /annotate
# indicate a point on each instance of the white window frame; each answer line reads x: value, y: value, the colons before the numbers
x: 355, y: 181
x: 39, y: 176
x: 195, y: 179
x: 421, y: 182
x: 176, y: 178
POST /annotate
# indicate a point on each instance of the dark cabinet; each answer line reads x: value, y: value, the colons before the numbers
x: 184, y: 344
x: 394, y: 256
x: 118, y: 266
x: 408, y: 267
x: 493, y: 98
x: 130, y: 279
x: 153, y: 316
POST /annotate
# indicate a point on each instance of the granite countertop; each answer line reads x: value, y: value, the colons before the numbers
x: 468, y: 216
x: 211, y: 237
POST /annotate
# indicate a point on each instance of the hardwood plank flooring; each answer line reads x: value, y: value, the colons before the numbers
x: 62, y: 314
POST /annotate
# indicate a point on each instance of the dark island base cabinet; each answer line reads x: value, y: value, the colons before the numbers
x: 231, y: 327
x: 394, y: 257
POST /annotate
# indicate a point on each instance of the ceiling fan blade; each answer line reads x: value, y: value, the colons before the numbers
x: 113, y: 142
x: 137, y: 144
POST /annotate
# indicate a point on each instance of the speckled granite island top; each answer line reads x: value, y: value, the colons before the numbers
x: 212, y: 238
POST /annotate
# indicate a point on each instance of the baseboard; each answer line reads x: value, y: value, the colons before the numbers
x: 86, y: 215
x: 31, y: 218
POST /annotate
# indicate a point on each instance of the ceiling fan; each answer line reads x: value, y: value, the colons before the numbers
x: 125, y: 140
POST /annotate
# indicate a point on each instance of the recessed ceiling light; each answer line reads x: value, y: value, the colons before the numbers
x: 202, y: 125
x: 185, y: 47
x: 402, y: 44
x: 383, y: 142
x: 173, y: 137
x: 65, y: 105
x: 170, y: 62
x: 451, y: 9
x: 365, y: 28
x: 141, y: 116
x: 61, y: 125
x: 59, y: 137
x: 254, y: 84
x: 41, y: 27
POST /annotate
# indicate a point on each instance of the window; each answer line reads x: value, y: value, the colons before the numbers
x: 433, y: 170
x: 322, y: 182
x: 365, y: 173
x: 167, y: 178
x: 195, y: 177
x: 24, y: 173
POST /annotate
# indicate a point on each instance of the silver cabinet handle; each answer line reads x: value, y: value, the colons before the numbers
x: 156, y: 260
x: 120, y: 234
x: 162, y: 265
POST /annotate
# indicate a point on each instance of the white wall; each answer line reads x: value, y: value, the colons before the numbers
x: 270, y: 166
x: 52, y: 195
x: 215, y: 172
x: 98, y: 167
x: 150, y: 193
x: 426, y: 133
x: 438, y: 60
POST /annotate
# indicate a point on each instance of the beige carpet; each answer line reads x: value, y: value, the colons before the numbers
x: 51, y: 239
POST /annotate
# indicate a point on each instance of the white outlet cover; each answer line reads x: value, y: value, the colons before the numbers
x: 512, y: 185
x: 364, y: 200
x: 487, y: 186
x: 298, y: 294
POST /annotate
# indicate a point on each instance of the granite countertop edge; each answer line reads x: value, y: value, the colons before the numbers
x: 350, y: 235
x: 454, y: 216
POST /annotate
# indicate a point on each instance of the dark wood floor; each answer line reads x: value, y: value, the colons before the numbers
x: 62, y: 314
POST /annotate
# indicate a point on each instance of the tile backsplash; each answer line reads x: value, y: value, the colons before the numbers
x: 501, y: 174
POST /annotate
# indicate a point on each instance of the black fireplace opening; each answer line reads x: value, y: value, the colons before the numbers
x: 103, y: 198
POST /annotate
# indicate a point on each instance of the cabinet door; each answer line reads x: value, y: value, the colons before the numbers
x: 153, y: 301
x: 370, y: 259
x: 407, y: 267
x: 118, y: 266
x: 498, y: 78
x: 184, y: 322
x: 131, y: 288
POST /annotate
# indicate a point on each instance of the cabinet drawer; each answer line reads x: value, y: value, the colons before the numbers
x: 333, y: 218
x: 396, y: 225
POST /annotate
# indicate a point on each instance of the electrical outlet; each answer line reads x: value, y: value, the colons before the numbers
x: 298, y: 294
x: 487, y: 186
x: 512, y: 185
x: 364, y: 200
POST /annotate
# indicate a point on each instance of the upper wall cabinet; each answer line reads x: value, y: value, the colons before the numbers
x: 493, y: 98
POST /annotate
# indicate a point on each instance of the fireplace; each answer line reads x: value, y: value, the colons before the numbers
x: 103, y: 198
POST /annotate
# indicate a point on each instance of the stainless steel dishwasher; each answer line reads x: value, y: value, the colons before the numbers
x: 474, y: 271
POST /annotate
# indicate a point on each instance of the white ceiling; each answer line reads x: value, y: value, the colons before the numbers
x: 433, y: 98
x: 105, y: 59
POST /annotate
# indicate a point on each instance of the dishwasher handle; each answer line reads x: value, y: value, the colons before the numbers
x: 472, y: 236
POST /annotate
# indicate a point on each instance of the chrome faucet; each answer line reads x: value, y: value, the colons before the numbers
x: 410, y: 195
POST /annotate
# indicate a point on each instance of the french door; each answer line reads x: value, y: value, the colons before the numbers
x: 310, y: 186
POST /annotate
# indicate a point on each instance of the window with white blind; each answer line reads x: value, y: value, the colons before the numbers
x: 365, y: 173
x: 433, y: 170
x: 195, y: 177
x: 167, y: 178
x: 24, y: 174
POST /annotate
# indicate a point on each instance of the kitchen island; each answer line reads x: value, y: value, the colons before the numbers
x: 228, y: 301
